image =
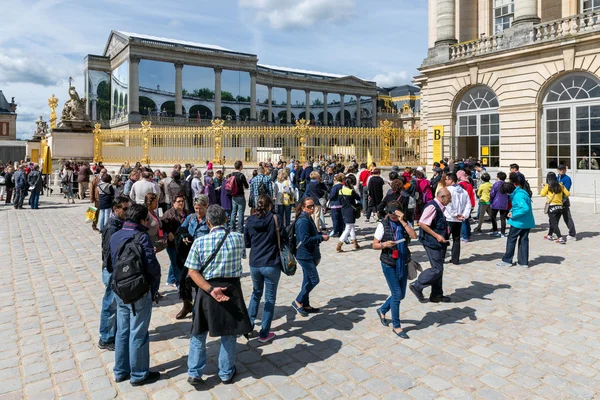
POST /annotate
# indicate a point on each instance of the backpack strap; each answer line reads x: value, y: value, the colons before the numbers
x: 214, y: 253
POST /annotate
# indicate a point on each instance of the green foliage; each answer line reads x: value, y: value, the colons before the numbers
x: 184, y: 92
x: 243, y: 99
x: 204, y: 93
x: 227, y: 96
x: 317, y: 102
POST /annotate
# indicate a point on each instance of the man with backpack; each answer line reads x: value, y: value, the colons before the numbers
x: 136, y: 277
x: 108, y: 314
x: 235, y: 186
x: 261, y: 185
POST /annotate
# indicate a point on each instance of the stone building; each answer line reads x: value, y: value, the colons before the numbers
x: 8, y: 118
x: 401, y: 105
x: 117, y: 72
x: 516, y: 81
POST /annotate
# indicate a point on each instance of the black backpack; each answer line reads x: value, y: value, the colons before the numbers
x: 130, y: 281
x: 291, y: 232
x: 262, y: 188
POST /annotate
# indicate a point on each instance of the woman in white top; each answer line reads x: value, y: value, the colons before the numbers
x: 284, y: 197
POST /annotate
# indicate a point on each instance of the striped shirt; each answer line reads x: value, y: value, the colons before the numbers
x: 228, y: 261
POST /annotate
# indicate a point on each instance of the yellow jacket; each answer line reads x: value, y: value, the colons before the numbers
x: 483, y: 192
x: 556, y: 199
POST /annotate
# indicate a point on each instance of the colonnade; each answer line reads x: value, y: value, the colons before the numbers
x: 134, y: 87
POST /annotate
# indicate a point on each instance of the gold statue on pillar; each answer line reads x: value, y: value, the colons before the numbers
x: 53, y: 103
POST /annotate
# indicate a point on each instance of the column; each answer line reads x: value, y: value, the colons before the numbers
x: 446, y: 22
x: 526, y: 11
x: 307, y: 106
x: 270, y: 104
x: 431, y: 23
x: 253, y: 96
x: 178, y: 89
x: 94, y: 100
x: 289, y: 105
x: 342, y: 112
x: 134, y: 85
x: 218, y: 92
x: 325, y: 116
x: 374, y: 111
x: 358, y: 122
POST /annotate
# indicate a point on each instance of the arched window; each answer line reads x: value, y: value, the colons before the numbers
x: 571, y: 112
x: 478, y: 126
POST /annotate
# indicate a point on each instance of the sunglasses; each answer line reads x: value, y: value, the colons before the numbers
x: 310, y: 206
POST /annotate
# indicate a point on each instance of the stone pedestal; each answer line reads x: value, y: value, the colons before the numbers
x: 71, y: 144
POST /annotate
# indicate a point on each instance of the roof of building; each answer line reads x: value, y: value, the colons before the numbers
x: 300, y: 71
x: 396, y: 91
x: 5, y: 105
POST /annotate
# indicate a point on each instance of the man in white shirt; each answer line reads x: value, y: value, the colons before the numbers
x: 141, y: 188
x: 455, y: 213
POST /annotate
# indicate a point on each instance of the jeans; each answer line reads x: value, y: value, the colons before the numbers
x: 19, y: 197
x: 397, y: 287
x: 523, y: 253
x: 264, y: 279
x: 455, y: 229
x: 132, y: 341
x: 197, y: 356
x: 337, y: 220
x: 173, y: 277
x: 466, y: 228
x: 103, y: 217
x: 503, y: 214
x: 34, y: 199
x: 284, y: 213
x: 238, y: 207
x: 310, y: 279
x: 433, y: 276
x: 108, y: 314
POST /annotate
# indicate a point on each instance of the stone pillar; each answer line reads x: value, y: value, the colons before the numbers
x: 218, y: 92
x: 253, y: 95
x: 446, y: 22
x: 178, y: 89
x: 325, y: 116
x: 307, y: 106
x: 526, y: 11
x: 270, y: 104
x: 374, y: 111
x: 134, y: 85
x: 342, y: 112
x: 94, y: 100
x: 358, y: 113
x: 431, y: 23
x: 289, y: 105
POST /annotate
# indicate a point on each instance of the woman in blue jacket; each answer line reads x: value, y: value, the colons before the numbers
x: 308, y: 239
x: 521, y: 221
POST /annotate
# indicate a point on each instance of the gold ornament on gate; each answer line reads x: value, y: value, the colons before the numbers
x: 218, y: 127
x: 53, y: 103
x: 97, y: 144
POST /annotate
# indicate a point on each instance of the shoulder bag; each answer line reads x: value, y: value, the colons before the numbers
x: 288, y: 261
x: 547, y: 205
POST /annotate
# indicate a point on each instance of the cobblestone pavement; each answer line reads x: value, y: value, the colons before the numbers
x: 509, y: 333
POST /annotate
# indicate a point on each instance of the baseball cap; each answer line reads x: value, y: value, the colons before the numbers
x: 420, y: 169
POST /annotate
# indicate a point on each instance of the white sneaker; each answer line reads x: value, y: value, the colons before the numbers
x: 573, y: 238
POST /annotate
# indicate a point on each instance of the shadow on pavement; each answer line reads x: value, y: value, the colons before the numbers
x: 482, y: 257
x: 477, y: 290
x: 587, y: 235
x: 442, y: 317
x: 546, y: 260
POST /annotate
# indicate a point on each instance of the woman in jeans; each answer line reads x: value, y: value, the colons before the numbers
x: 171, y: 221
x: 260, y: 235
x: 308, y: 239
x: 284, y: 197
x: 393, y: 261
x: 106, y: 194
x: 554, y: 193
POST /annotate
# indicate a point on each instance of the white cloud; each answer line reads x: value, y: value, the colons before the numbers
x: 18, y: 67
x: 389, y: 79
x: 290, y: 14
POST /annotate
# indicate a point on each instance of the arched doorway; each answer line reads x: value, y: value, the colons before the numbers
x: 245, y: 114
x: 347, y: 117
x: 228, y: 114
x: 477, y: 131
x: 200, y: 111
x: 303, y: 115
x: 103, y: 104
x: 329, y: 118
x: 147, y: 105
x: 264, y: 116
x: 571, y: 127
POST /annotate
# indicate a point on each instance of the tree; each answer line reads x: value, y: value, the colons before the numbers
x: 103, y: 105
x: 227, y: 96
x: 243, y: 99
x: 317, y: 102
x: 184, y: 92
x: 204, y: 93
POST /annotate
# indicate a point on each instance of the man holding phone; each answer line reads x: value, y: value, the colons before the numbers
x: 434, y: 237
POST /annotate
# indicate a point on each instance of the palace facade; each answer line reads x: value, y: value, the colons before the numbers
x: 515, y: 81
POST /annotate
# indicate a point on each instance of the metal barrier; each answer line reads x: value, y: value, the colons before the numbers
x: 385, y: 145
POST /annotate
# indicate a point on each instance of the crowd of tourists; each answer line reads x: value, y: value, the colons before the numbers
x: 198, y: 215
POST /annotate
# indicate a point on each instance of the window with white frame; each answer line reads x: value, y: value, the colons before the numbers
x: 504, y: 11
x: 590, y: 5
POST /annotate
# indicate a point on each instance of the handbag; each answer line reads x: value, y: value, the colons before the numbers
x: 288, y: 261
x: 413, y: 269
x: 547, y: 205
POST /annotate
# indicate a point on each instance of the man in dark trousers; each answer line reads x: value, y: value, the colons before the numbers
x: 108, y: 314
x: 434, y: 237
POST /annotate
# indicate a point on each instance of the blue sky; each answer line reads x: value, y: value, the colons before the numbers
x: 44, y: 42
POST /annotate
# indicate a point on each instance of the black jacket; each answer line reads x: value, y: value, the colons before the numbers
x: 316, y: 190
x: 260, y: 236
x: 375, y: 188
x: 113, y: 225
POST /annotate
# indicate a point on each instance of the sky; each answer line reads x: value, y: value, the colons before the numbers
x: 44, y: 42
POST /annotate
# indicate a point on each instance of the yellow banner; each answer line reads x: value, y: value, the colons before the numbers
x: 438, y: 135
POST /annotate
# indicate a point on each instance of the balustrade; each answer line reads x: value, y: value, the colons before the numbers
x: 560, y: 28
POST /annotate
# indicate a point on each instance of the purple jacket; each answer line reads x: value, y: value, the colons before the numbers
x: 498, y: 201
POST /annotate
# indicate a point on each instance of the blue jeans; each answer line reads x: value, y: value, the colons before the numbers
x: 284, y: 213
x: 103, y: 217
x: 19, y: 197
x: 337, y: 220
x: 173, y: 277
x: 197, y: 356
x: 132, y: 344
x: 310, y: 280
x: 264, y: 279
x: 465, y: 230
x: 108, y: 314
x: 34, y: 199
x: 398, y: 289
x: 238, y: 207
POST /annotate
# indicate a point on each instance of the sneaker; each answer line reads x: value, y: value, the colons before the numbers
x: 194, y: 381
x: 548, y: 237
x: 504, y: 264
x: 495, y: 234
x: 476, y: 230
x: 561, y: 241
x: 110, y: 346
x: 465, y: 240
x: 152, y: 377
x: 269, y: 337
x: 523, y: 266
x: 573, y: 238
x: 503, y: 235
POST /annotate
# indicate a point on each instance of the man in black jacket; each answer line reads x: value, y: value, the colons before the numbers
x: 108, y: 314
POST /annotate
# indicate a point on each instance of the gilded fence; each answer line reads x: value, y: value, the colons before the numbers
x: 223, y: 144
